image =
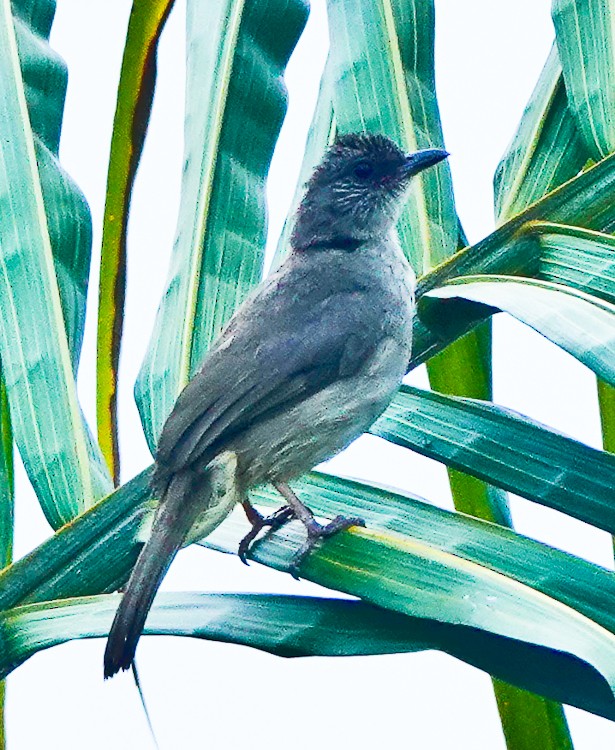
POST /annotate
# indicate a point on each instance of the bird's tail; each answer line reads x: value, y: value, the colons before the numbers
x: 176, y: 514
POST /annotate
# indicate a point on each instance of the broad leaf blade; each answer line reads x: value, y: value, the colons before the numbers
x: 408, y: 576
x: 292, y: 626
x: 586, y: 43
x: 96, y: 551
x: 587, y: 200
x: 383, y: 73
x: 321, y: 135
x: 582, y: 325
x: 576, y: 257
x: 586, y: 40
x: 547, y: 149
x: 134, y: 102
x: 546, y: 569
x: 37, y: 357
x: 7, y: 498
x: 506, y: 449
x: 235, y: 103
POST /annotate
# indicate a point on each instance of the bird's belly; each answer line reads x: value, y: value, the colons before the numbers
x: 291, y: 443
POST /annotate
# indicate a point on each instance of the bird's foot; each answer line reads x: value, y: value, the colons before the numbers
x: 315, y: 533
x: 259, y: 522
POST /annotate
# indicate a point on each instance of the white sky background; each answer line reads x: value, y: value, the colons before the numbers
x: 200, y: 694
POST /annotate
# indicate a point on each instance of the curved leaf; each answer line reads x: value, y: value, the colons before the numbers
x: 576, y: 257
x: 506, y: 449
x: 134, y: 103
x: 547, y: 149
x: 96, y: 551
x: 235, y: 103
x: 580, y: 324
x: 579, y: 584
x: 387, y: 46
x: 37, y: 356
x: 414, y: 578
x: 292, y: 626
x: 7, y: 498
x: 586, y: 42
x: 320, y: 135
x: 587, y: 200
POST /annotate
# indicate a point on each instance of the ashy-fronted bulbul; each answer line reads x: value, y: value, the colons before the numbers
x: 304, y: 367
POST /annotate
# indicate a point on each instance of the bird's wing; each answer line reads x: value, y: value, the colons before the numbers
x: 247, y: 378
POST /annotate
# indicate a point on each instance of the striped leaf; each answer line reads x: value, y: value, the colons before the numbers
x: 422, y: 581
x: 43, y: 218
x: 546, y: 150
x: 134, y: 102
x: 582, y: 325
x: 506, y: 449
x: 7, y: 498
x: 587, y: 200
x: 585, y: 32
x: 235, y: 102
x: 576, y: 257
x: 320, y: 135
x: 293, y: 626
x: 383, y: 81
x: 586, y: 39
x: 408, y: 538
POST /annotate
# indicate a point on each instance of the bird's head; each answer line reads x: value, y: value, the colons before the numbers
x: 357, y: 191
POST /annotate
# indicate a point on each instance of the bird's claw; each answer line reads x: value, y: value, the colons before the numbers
x: 259, y: 522
x: 315, y: 533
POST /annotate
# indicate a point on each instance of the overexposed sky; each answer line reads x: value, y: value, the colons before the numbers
x: 489, y: 55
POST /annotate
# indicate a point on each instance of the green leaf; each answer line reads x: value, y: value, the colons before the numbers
x: 288, y: 626
x: 547, y: 149
x: 542, y: 725
x: 586, y: 43
x: 7, y: 481
x: 464, y: 369
x: 580, y: 324
x: 320, y: 135
x: 235, y: 103
x: 7, y: 492
x: 606, y: 397
x: 382, y: 68
x: 568, y: 579
x: 96, y: 551
x: 588, y: 200
x: 505, y: 449
x: 38, y: 356
x: 576, y: 257
x: 414, y: 578
x: 292, y: 626
x: 134, y: 103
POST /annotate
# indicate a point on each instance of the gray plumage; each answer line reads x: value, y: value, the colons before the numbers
x: 305, y: 365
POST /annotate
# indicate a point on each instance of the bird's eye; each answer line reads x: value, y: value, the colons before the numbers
x: 363, y: 170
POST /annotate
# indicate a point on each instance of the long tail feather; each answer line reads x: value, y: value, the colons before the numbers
x: 176, y: 514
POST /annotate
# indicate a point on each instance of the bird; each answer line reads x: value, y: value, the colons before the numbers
x: 305, y: 365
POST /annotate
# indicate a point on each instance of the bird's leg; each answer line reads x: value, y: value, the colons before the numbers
x: 315, y: 531
x: 260, y: 522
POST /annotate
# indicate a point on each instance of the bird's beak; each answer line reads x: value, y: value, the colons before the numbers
x: 420, y: 160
